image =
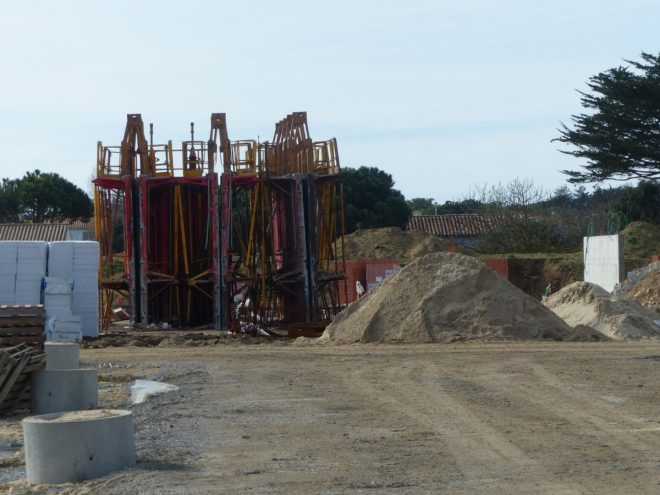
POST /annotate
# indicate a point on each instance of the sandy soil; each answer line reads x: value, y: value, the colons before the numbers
x: 552, y: 418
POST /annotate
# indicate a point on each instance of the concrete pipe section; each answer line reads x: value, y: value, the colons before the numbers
x: 64, y: 390
x: 62, y: 356
x: 78, y: 445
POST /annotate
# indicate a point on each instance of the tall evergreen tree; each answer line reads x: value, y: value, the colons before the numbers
x: 42, y: 197
x: 370, y: 200
x: 620, y: 138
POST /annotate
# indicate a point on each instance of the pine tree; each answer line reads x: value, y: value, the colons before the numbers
x: 620, y: 138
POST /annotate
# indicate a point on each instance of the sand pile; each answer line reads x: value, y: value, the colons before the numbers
x: 647, y: 292
x: 582, y: 303
x: 445, y: 297
x: 635, y: 277
x: 642, y: 285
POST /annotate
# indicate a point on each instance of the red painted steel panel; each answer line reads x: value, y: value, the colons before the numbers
x: 499, y: 265
x: 355, y: 270
x: 178, y: 272
x: 377, y: 268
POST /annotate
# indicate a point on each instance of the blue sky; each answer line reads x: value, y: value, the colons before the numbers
x: 441, y: 94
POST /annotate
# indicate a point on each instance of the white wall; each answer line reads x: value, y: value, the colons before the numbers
x: 603, y: 260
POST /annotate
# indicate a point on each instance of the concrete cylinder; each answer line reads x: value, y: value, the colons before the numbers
x: 79, y: 445
x: 62, y: 356
x: 64, y: 390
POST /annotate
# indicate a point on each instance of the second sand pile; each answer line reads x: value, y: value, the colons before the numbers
x: 445, y: 297
x: 582, y: 303
x: 642, y: 285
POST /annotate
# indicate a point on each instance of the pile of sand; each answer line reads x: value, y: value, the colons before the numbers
x: 582, y: 303
x: 642, y: 285
x: 647, y: 292
x: 445, y: 297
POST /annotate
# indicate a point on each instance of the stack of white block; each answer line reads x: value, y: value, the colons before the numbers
x: 8, y: 257
x: 22, y: 268
x: 58, y: 296
x: 64, y: 329
x: 61, y: 325
x: 79, y: 260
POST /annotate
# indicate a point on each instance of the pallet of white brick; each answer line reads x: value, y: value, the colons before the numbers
x: 22, y: 268
x: 79, y: 260
x: 64, y: 329
x: 58, y: 296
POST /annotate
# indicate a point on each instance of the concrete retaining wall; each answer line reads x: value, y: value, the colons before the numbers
x: 603, y: 260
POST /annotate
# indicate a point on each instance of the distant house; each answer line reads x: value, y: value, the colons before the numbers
x: 34, y: 232
x: 463, y: 229
x: 79, y: 230
x: 82, y: 230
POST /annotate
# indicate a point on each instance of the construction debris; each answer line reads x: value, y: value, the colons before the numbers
x: 16, y: 365
x: 445, y: 297
x: 582, y: 303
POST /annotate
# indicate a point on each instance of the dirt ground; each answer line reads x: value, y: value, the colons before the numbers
x: 288, y: 417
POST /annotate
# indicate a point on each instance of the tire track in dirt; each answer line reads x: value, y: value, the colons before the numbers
x: 609, y: 424
x: 483, y: 454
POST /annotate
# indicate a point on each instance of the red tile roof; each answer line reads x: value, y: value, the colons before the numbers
x: 33, y: 232
x: 461, y: 225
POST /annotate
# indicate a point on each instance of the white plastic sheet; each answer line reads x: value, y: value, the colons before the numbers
x: 141, y: 390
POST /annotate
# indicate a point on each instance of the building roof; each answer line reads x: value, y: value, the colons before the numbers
x: 33, y: 232
x: 460, y: 225
x: 82, y: 224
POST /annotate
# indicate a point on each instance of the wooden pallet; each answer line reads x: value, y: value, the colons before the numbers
x: 22, y: 324
x: 16, y: 365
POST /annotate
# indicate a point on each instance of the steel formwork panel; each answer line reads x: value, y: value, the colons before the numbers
x: 269, y: 239
x: 117, y: 270
x: 179, y: 265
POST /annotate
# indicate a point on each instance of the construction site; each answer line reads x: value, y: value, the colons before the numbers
x: 223, y: 335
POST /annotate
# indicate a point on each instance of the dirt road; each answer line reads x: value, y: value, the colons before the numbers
x: 554, y: 418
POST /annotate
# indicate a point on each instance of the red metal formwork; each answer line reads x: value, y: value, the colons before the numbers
x: 115, y: 230
x: 324, y: 238
x: 281, y: 214
x: 179, y: 255
x: 282, y: 229
x: 263, y: 250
